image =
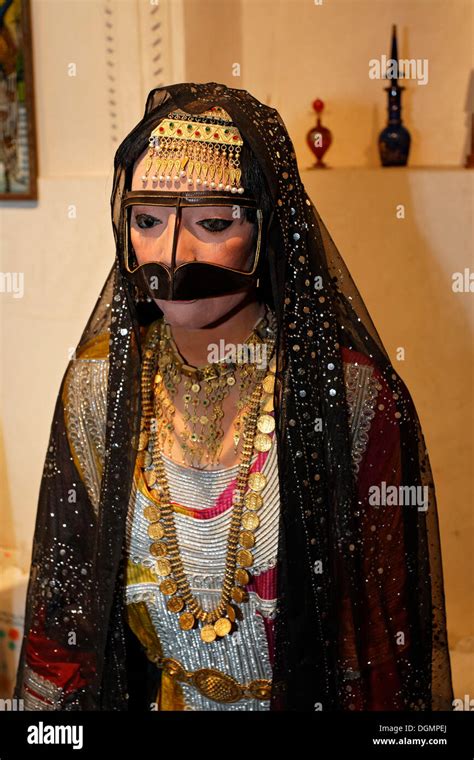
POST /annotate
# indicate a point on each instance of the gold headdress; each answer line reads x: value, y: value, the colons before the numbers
x: 206, y: 144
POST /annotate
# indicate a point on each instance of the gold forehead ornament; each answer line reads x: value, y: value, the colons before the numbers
x: 206, y: 145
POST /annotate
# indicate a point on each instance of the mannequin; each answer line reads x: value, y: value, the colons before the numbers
x: 328, y: 602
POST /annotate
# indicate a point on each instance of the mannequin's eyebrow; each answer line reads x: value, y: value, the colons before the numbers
x: 147, y: 209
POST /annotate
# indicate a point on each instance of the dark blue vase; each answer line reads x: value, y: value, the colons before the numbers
x: 394, y: 139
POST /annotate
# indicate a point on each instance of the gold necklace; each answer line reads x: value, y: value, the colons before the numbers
x: 220, y: 620
x: 205, y: 390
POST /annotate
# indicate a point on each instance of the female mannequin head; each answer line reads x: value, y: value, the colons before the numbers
x: 225, y: 235
x: 220, y: 234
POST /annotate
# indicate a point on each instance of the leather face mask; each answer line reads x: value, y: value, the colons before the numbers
x: 203, y: 277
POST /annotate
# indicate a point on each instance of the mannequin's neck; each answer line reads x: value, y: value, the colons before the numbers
x: 235, y: 328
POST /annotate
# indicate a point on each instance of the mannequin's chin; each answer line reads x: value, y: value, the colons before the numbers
x: 202, y: 312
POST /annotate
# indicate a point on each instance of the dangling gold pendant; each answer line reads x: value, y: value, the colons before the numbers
x: 175, y: 604
x: 186, y: 621
x: 222, y: 626
x: 230, y: 612
x: 266, y: 423
x: 208, y: 633
x: 262, y: 442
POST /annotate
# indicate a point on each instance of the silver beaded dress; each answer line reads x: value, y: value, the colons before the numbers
x: 202, y: 504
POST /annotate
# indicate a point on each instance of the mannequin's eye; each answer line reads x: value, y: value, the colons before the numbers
x: 145, y: 221
x: 215, y: 225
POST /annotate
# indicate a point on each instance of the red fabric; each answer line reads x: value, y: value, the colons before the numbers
x: 63, y: 667
x: 385, y: 615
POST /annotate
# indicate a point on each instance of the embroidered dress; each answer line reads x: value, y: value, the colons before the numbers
x: 202, y: 502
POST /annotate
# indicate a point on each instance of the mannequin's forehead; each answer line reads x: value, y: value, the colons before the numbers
x: 139, y: 170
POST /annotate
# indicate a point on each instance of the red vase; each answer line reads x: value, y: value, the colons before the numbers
x: 319, y: 138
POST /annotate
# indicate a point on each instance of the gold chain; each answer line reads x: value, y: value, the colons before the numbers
x: 220, y: 620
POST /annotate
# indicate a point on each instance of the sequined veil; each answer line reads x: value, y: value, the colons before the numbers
x: 360, y: 621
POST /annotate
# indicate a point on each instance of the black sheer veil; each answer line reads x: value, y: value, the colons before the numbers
x: 377, y: 607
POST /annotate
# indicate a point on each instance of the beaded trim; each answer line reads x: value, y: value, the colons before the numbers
x: 362, y: 389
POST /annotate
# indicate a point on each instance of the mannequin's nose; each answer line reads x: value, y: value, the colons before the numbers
x: 184, y: 251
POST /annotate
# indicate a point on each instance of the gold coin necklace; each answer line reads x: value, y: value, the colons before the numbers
x: 220, y: 620
x: 205, y: 389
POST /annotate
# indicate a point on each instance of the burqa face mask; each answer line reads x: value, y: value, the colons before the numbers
x: 165, y: 276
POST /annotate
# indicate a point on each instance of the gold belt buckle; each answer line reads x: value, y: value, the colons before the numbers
x: 214, y: 684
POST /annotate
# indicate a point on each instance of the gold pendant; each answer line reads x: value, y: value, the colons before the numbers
x: 262, y: 442
x: 158, y: 549
x: 250, y: 521
x: 186, y: 621
x: 269, y: 383
x: 238, y: 594
x: 246, y: 539
x: 152, y: 513
x: 257, y: 481
x: 241, y: 577
x: 230, y: 612
x: 168, y: 587
x: 253, y: 500
x: 162, y: 566
x: 244, y: 557
x: 150, y: 477
x: 156, y: 531
x: 208, y: 633
x: 144, y: 459
x: 175, y: 604
x: 266, y: 423
x: 222, y: 626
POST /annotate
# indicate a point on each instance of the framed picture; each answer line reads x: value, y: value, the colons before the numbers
x: 18, y: 157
